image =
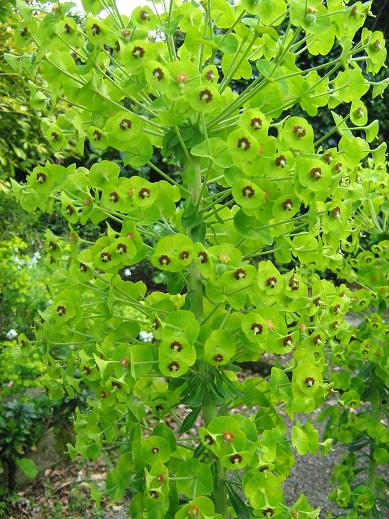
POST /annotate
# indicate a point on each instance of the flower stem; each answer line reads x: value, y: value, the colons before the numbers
x: 375, y: 416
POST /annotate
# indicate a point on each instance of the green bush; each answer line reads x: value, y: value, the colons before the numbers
x: 22, y: 286
x: 254, y: 183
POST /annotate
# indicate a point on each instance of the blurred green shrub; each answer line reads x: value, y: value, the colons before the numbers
x: 22, y: 286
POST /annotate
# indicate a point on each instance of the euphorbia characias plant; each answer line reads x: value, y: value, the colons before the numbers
x: 361, y: 377
x: 257, y: 205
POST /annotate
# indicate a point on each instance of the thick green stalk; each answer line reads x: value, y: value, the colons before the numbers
x: 219, y: 496
x: 375, y: 416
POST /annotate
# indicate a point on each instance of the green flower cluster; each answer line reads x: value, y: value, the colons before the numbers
x: 253, y: 182
x: 362, y: 379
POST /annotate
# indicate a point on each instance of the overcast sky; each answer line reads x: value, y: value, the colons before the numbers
x: 125, y: 6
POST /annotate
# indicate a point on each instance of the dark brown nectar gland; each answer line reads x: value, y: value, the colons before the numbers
x: 210, y: 75
x: 236, y: 458
x: 299, y: 131
x: 336, y: 309
x: 257, y: 328
x: 61, y: 310
x: 154, y: 494
x: 317, y: 339
x: 203, y: 257
x: 55, y: 136
x: 248, y: 191
x: 228, y: 436
x: 206, y: 96
x: 327, y: 157
x: 83, y: 267
x: 293, y: 283
x: 164, y: 260
x: 359, y: 112
x: 243, y: 144
x: 121, y: 248
x: 268, y: 512
x: 287, y: 205
x: 114, y: 197
x: 156, y: 324
x: 218, y: 357
x: 309, y: 381
x: 256, y: 123
x: 318, y: 301
x: 176, y: 346
x: 138, y: 52
x: 158, y: 74
x: 271, y: 282
x: 106, y: 257
x: 336, y: 212
x: 316, y: 173
x: 184, y: 255
x: 174, y: 366
x: 97, y: 136
x: 144, y: 193
x: 338, y: 166
x: 144, y: 15
x: 208, y: 439
x: 281, y: 161
x: 69, y: 210
x: 96, y: 29
x: 41, y: 177
x: 67, y: 29
x: 287, y: 341
x: 155, y: 450
x: 240, y: 274
x: 125, y: 124
x: 77, y: 60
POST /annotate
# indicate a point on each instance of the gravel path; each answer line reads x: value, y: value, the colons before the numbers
x: 311, y: 475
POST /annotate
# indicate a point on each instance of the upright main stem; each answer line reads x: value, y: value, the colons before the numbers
x: 375, y: 415
x: 219, y: 496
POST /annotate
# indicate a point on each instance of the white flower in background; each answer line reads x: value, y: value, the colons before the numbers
x: 146, y: 336
x: 18, y: 261
x: 34, y: 259
x: 11, y: 334
x: 126, y: 272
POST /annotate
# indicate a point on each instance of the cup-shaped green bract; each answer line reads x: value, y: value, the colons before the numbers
x: 155, y: 449
x: 307, y: 378
x: 173, y: 253
x: 219, y: 348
